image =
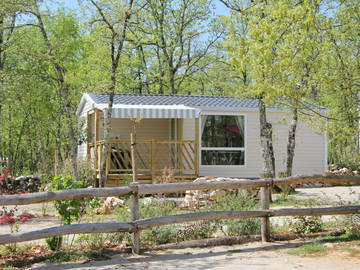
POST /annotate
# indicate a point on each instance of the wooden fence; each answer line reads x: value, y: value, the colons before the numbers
x: 137, y: 224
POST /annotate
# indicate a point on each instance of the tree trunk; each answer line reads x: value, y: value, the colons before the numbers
x: 64, y: 92
x: 266, y: 142
x: 116, y: 51
x: 291, y: 143
x: 107, y: 132
x: 172, y: 87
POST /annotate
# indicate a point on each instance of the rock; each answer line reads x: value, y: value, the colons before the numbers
x: 109, y: 205
x: 329, y: 245
x: 216, y: 195
x: 197, y: 198
x: 344, y: 171
x: 29, y: 213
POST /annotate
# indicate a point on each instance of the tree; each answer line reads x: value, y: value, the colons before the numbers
x: 277, y: 50
x: 57, y: 55
x: 339, y: 82
x: 115, y: 26
x: 177, y: 34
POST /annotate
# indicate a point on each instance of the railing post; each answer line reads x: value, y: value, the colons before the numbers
x: 152, y: 154
x: 265, y: 221
x: 197, y: 146
x: 135, y: 215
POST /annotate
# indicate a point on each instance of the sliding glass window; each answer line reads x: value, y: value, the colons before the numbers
x: 223, y: 140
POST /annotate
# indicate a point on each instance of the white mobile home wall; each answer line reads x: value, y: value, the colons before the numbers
x: 310, y: 151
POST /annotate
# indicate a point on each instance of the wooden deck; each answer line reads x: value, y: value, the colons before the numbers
x: 154, y: 160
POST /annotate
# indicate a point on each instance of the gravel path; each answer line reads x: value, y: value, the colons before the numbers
x: 253, y: 256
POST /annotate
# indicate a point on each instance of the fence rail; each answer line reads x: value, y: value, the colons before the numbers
x: 135, y: 190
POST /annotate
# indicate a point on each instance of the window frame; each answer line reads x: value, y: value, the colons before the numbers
x: 223, y: 148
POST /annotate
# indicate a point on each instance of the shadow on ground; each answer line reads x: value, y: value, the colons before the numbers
x: 201, y: 259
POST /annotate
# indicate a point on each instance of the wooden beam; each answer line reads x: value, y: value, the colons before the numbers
x: 173, y: 188
x: 197, y: 146
x: 219, y: 215
x: 65, y: 230
x: 265, y: 221
x: 39, y: 197
x: 143, y: 224
x: 97, y: 125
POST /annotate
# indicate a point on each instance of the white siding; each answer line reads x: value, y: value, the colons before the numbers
x: 189, y: 129
x: 310, y: 151
x: 82, y: 149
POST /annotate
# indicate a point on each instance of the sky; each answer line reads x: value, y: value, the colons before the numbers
x: 73, y: 4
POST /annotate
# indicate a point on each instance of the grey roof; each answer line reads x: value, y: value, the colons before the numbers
x: 187, y: 100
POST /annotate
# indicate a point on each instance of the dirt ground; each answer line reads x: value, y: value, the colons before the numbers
x: 253, y: 256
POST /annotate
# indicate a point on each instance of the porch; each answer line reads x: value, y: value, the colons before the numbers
x: 155, y: 160
x: 165, y: 148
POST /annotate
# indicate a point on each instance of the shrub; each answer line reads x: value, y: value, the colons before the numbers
x: 160, y: 235
x: 69, y: 210
x: 54, y: 243
x: 85, y: 170
x: 197, y: 230
x: 236, y: 202
x: 306, y: 224
x: 97, y: 241
x: 157, y: 208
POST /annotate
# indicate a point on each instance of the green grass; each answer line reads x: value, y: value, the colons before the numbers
x: 313, y: 249
x: 60, y: 257
x: 348, y: 242
x: 289, y: 201
x: 346, y: 237
x: 235, y: 251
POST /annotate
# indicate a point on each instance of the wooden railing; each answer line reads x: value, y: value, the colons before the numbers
x: 135, y: 190
x: 151, y: 156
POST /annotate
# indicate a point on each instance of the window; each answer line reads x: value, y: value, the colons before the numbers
x: 222, y: 140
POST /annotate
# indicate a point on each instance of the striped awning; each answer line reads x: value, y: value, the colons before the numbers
x: 152, y: 111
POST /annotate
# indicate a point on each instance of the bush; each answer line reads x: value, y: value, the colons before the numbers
x: 306, y: 224
x: 197, y: 230
x: 69, y: 210
x: 85, y: 170
x: 54, y: 243
x: 157, y: 208
x: 237, y: 202
x: 97, y: 241
x: 160, y: 235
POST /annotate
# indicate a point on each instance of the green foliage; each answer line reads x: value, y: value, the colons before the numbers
x: 160, y: 235
x: 85, y: 171
x: 94, y: 203
x: 69, y: 210
x: 237, y: 202
x: 178, y: 232
x: 54, y: 243
x: 174, y: 232
x: 60, y: 257
x: 280, y: 50
x: 157, y: 208
x: 305, y: 224
x: 97, y: 241
x: 313, y: 249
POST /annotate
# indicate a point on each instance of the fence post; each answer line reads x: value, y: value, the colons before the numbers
x: 265, y: 222
x: 135, y: 215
